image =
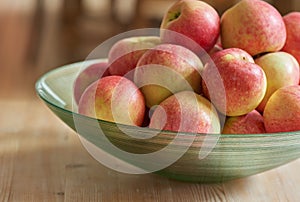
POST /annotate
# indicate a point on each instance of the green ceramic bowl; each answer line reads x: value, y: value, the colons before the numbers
x: 226, y: 157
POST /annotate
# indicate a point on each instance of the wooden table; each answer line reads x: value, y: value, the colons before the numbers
x: 41, y: 159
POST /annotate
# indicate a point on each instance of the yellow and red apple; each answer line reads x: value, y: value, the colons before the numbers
x: 282, y: 111
x: 186, y: 111
x: 254, y: 26
x: 250, y: 123
x: 167, y: 69
x: 125, y: 53
x: 292, y: 44
x: 115, y: 99
x: 281, y: 69
x: 196, y: 20
x: 244, y: 82
x: 87, y: 76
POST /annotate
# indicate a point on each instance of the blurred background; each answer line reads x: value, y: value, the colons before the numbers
x: 39, y: 35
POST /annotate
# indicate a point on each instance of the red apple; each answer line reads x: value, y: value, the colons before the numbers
x: 281, y: 69
x: 186, y: 111
x: 124, y: 54
x: 196, y: 20
x: 113, y: 98
x: 292, y: 44
x: 282, y: 111
x: 254, y: 26
x: 249, y: 123
x: 244, y: 82
x: 167, y: 69
x: 87, y: 76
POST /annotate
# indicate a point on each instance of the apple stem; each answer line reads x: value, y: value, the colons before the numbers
x: 174, y: 16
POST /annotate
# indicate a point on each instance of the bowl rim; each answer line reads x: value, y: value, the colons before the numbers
x: 43, y: 77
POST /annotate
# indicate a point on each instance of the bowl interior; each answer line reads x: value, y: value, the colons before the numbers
x: 202, y: 158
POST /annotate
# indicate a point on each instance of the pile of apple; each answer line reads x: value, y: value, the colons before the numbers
x: 251, y: 76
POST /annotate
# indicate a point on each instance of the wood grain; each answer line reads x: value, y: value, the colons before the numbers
x: 41, y: 159
x: 7, y: 154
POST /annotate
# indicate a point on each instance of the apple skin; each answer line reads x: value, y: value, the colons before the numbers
x: 292, y: 24
x: 282, y: 111
x: 244, y: 82
x: 115, y: 99
x: 186, y: 111
x: 125, y: 53
x: 196, y: 20
x: 165, y: 70
x: 250, y: 123
x: 251, y: 25
x: 87, y: 76
x: 281, y: 69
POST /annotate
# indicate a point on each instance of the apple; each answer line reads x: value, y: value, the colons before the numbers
x: 254, y: 26
x: 165, y: 70
x: 186, y: 111
x: 125, y: 53
x: 250, y: 123
x: 292, y: 24
x: 115, y: 99
x: 244, y: 82
x: 87, y: 76
x: 282, y: 111
x: 281, y: 69
x: 196, y: 20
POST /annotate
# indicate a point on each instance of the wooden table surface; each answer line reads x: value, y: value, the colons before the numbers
x: 41, y: 159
